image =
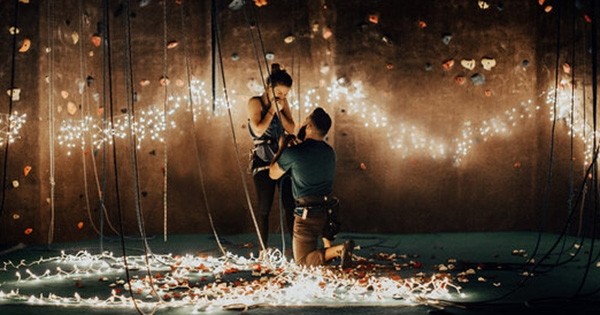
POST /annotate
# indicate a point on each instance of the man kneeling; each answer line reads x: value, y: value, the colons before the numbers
x: 311, y: 164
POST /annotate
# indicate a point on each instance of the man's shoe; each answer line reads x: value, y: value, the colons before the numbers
x: 346, y: 255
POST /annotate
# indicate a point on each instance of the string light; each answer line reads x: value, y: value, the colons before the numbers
x: 208, y: 283
x: 10, y: 127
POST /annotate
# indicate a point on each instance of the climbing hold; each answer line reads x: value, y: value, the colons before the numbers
x: 14, y: 30
x: 71, y: 108
x: 26, y: 170
x: 96, y: 40
x: 270, y: 56
x: 422, y: 24
x: 235, y: 56
x: 75, y: 37
x: 28, y: 231
x: 325, y: 69
x: 15, y: 183
x: 343, y: 81
x: 548, y: 8
x: 478, y: 79
x: 468, y: 63
x: 460, y: 80
x: 566, y: 68
x: 14, y: 93
x: 517, y: 165
x: 289, y: 39
x: 326, y: 32
x: 236, y: 4
x: 24, y: 1
x: 59, y: 109
x: 260, y: 3
x: 172, y: 44
x: 448, y: 64
x: 374, y: 18
x: 144, y: 82
x: 446, y: 38
x: 386, y: 39
x: 25, y: 45
x: 525, y: 63
x: 89, y: 80
x: 64, y: 94
x: 164, y: 81
x: 428, y: 66
x: 80, y: 225
x: 587, y: 18
x: 144, y: 3
x: 541, y: 2
x: 483, y: 4
x: 315, y: 27
x: 488, y: 63
x: 488, y: 92
x: 389, y: 66
x: 363, y: 166
x: 16, y: 216
x: 500, y: 6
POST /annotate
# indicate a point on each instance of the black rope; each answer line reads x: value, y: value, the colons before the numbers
x: 188, y: 72
x: 106, y: 42
x: 13, y: 71
x: 594, y: 119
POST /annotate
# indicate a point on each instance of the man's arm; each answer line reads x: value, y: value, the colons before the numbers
x: 275, y: 171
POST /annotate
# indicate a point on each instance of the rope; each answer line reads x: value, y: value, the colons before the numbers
x: 51, y: 117
x: 107, y: 55
x: 188, y: 72
x: 84, y: 110
x: 165, y: 110
x: 10, y: 106
x: 133, y: 146
x: 234, y: 138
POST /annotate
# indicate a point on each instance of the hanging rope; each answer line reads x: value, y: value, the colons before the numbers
x: 191, y: 108
x: 83, y: 111
x: 10, y: 105
x: 133, y: 147
x: 166, y: 117
x: 51, y: 117
x: 215, y: 29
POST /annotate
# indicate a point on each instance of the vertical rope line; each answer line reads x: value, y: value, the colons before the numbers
x: 51, y: 118
x: 594, y: 117
x: 166, y: 114
x: 13, y: 72
x: 234, y: 138
x: 191, y: 106
x: 84, y: 122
